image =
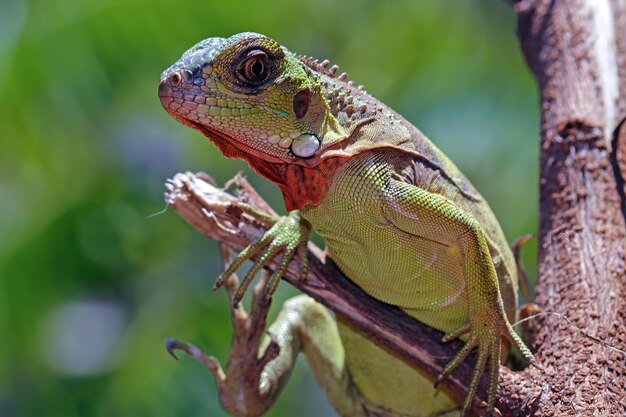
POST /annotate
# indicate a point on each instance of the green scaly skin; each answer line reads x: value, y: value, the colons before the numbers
x: 398, y: 218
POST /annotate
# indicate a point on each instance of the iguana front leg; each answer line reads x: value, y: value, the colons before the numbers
x: 289, y: 235
x: 431, y: 216
x: 260, y: 362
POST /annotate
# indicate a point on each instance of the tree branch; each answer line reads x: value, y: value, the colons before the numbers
x: 576, y: 51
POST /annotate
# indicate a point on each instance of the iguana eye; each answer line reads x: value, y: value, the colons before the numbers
x: 255, y: 67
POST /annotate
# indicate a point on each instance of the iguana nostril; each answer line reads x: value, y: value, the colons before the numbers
x: 301, y: 103
x: 175, y: 79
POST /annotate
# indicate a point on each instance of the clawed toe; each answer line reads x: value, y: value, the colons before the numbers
x: 288, y: 235
x: 488, y: 345
x: 172, y: 345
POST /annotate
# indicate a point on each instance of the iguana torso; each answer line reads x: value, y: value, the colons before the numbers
x: 398, y: 217
x: 351, y: 217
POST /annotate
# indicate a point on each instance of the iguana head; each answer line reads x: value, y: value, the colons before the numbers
x: 250, y: 96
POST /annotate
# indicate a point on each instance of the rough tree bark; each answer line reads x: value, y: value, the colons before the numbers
x: 577, y: 51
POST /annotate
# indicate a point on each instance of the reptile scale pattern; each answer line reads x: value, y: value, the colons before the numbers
x: 370, y: 201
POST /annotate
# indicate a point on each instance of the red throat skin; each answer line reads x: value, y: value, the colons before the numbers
x: 304, y: 186
x: 300, y: 185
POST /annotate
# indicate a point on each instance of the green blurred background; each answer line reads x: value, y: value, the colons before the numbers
x: 91, y: 284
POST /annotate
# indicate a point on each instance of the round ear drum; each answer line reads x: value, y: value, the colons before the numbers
x: 301, y: 103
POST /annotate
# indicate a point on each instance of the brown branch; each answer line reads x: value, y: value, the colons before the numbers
x: 576, y: 51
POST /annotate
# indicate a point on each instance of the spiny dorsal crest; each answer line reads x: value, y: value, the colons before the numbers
x: 342, y: 100
x: 323, y: 67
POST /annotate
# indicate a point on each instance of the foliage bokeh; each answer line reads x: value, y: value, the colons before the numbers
x: 92, y: 283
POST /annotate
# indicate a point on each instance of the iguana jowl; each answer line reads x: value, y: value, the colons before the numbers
x: 398, y: 218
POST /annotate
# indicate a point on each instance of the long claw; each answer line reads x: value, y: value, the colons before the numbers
x: 247, y: 279
x: 245, y: 255
x: 172, y: 345
x: 276, y: 276
x: 521, y: 347
x: 473, y: 386
x: 456, y: 361
x: 231, y: 282
x: 494, y: 369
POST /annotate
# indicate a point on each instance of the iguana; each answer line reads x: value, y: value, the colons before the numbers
x: 398, y: 218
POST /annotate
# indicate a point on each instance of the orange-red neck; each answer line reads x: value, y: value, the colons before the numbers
x: 300, y: 185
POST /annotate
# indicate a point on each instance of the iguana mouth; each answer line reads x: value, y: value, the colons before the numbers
x: 212, y: 134
x: 229, y: 145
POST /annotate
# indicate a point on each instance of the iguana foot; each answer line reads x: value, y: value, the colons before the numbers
x: 289, y: 235
x: 240, y: 388
x: 484, y: 332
